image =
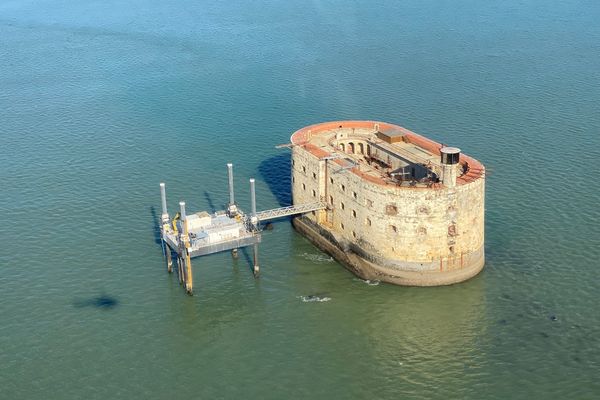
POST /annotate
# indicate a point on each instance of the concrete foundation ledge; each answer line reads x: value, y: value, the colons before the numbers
x: 347, y: 254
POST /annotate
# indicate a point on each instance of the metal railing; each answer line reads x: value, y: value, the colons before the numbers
x: 289, y: 210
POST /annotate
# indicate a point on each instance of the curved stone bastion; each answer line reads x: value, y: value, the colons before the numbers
x: 401, y: 208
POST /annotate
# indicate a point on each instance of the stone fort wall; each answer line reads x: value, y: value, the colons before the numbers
x: 400, y: 229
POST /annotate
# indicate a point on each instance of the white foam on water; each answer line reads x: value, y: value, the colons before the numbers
x: 312, y: 299
x: 316, y: 257
x: 368, y: 281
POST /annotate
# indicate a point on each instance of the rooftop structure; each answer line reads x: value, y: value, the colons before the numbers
x: 385, y: 154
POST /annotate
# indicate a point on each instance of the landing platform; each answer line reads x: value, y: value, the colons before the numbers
x: 213, y: 233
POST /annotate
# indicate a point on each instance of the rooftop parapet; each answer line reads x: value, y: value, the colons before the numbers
x: 387, y: 154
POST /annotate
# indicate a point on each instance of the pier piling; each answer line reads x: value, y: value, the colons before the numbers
x: 185, y: 254
x: 256, y: 268
x: 164, y: 220
x: 254, y: 221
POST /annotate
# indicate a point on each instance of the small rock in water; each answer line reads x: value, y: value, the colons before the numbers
x: 553, y: 318
x: 269, y: 226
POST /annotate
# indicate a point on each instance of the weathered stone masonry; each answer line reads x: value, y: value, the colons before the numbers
x: 396, y: 212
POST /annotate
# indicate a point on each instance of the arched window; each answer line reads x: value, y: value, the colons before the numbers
x: 351, y: 148
x: 343, y: 147
x: 368, y: 150
x: 361, y: 148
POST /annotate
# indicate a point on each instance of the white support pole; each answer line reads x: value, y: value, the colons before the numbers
x: 164, y: 223
x: 182, y: 211
x: 230, y: 175
x: 253, y: 198
x: 163, y: 200
x: 231, y: 208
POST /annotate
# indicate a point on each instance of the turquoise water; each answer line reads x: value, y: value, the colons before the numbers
x: 100, y: 101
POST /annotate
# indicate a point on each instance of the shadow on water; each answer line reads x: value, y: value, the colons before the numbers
x: 209, y: 200
x: 247, y: 253
x: 276, y: 172
x: 155, y: 225
x: 103, y: 302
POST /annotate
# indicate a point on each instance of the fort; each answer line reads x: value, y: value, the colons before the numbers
x: 400, y: 208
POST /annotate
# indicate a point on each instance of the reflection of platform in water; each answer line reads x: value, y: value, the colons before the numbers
x: 202, y: 233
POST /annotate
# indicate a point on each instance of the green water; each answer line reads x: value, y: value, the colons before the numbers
x: 102, y: 100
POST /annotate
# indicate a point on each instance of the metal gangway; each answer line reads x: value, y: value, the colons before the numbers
x: 289, y: 211
x: 192, y: 235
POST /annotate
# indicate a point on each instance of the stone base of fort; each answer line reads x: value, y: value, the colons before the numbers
x: 400, y: 273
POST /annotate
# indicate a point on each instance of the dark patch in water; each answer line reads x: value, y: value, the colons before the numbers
x: 544, y: 335
x: 553, y: 318
x: 155, y: 225
x: 506, y: 296
x: 503, y: 322
x: 103, y: 302
x: 248, y: 253
x: 276, y: 172
x: 211, y: 203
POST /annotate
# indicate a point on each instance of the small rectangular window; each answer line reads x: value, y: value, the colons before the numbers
x: 303, y: 186
x: 303, y: 168
x: 331, y: 180
x: 314, y: 193
x: 354, y: 213
x: 343, y: 206
x: 342, y: 225
x: 314, y: 175
x: 391, y: 209
x: 343, y: 188
x: 354, y: 195
x: 368, y: 222
x: 354, y: 234
x: 330, y: 199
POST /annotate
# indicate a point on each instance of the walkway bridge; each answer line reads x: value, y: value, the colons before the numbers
x: 289, y: 210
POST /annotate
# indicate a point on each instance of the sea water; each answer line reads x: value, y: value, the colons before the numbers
x: 102, y: 100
